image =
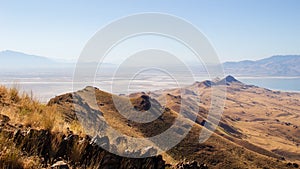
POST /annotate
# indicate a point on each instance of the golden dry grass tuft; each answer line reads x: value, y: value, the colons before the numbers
x: 23, y: 109
x: 10, y: 157
x: 13, y: 158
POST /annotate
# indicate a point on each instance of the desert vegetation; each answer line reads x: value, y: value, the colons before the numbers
x: 23, y: 111
x: 35, y: 135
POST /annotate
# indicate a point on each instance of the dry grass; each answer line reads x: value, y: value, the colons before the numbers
x: 13, y: 158
x: 76, y: 127
x: 23, y: 109
x: 31, y: 162
x: 10, y: 157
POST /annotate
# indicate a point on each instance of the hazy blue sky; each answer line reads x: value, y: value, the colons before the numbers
x: 238, y: 29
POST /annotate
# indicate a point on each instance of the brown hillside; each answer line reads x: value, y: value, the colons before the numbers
x: 229, y: 147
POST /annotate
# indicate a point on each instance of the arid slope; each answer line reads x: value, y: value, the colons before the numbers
x: 238, y: 141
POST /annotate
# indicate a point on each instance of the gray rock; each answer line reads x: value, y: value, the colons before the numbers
x: 60, y: 165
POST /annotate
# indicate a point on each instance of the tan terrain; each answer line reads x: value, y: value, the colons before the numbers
x: 253, y: 117
x: 258, y: 129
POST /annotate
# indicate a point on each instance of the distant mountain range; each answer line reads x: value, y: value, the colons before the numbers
x: 280, y: 65
x: 12, y: 60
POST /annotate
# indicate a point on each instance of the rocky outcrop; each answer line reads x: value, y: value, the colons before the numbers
x: 190, y: 165
x: 65, y: 104
x: 57, y: 150
x: 141, y: 103
x: 225, y: 81
x: 228, y: 80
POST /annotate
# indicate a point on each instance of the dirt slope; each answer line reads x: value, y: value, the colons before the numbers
x: 233, y: 145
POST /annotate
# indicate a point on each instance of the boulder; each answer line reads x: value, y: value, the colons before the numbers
x: 60, y: 165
